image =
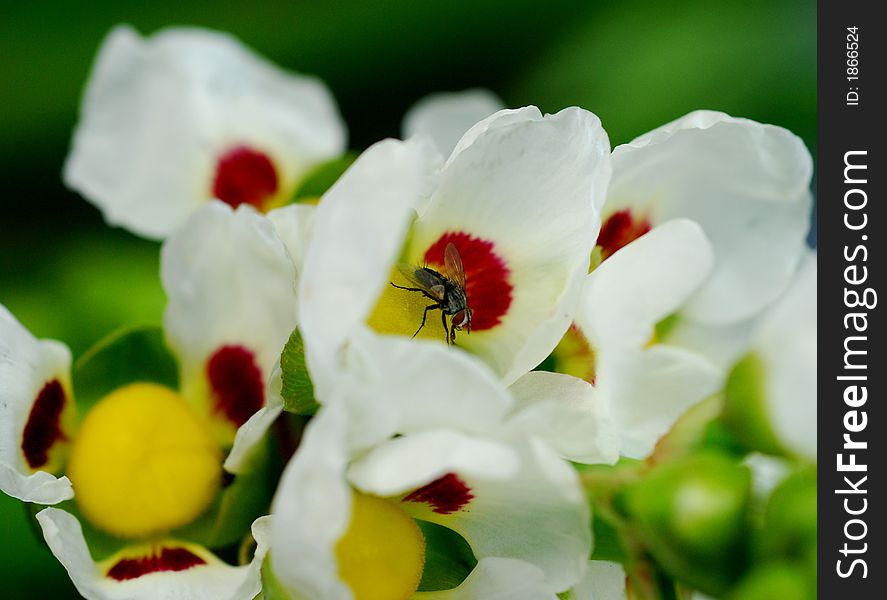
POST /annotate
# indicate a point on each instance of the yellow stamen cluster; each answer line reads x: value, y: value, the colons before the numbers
x: 382, y: 555
x: 143, y: 463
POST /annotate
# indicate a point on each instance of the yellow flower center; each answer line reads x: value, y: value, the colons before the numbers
x: 382, y: 555
x: 400, y: 312
x: 143, y: 463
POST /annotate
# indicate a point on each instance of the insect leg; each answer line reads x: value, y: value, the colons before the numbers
x: 420, y: 290
x: 425, y: 316
x: 443, y: 319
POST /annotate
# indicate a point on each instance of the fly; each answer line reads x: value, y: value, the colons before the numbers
x: 446, y: 291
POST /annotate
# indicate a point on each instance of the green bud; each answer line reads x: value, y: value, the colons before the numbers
x: 692, y: 513
x: 789, y: 528
x: 745, y: 408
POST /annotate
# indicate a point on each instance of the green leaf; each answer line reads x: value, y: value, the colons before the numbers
x: 448, y: 558
x: 322, y: 178
x: 296, y: 389
x: 131, y: 354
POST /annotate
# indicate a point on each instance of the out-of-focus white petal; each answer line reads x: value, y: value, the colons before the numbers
x: 745, y: 183
x: 359, y: 228
x: 159, y: 112
x: 31, y: 369
x: 648, y: 390
x: 642, y: 284
x: 604, y: 581
x: 230, y: 283
x: 767, y: 472
x: 529, y: 186
x: 251, y: 433
x: 312, y: 509
x: 786, y: 341
x: 497, y: 579
x: 722, y: 345
x: 518, y: 499
x: 445, y: 117
x: 293, y: 224
x: 567, y: 413
x: 211, y: 580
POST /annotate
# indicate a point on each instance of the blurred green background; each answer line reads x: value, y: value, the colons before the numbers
x: 636, y: 63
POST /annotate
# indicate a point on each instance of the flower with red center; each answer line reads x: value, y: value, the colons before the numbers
x: 438, y: 440
x: 671, y: 307
x: 172, y: 121
x: 144, y: 462
x: 746, y: 184
x: 517, y: 201
x: 645, y: 380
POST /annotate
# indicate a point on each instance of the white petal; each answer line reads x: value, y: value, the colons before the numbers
x: 497, y: 579
x: 745, y: 183
x: 531, y: 185
x: 312, y: 509
x: 214, y: 580
x: 230, y: 281
x: 787, y: 343
x: 604, y: 581
x: 421, y: 385
x: 26, y: 366
x: 359, y: 229
x: 445, y: 117
x: 723, y: 345
x: 251, y: 433
x: 648, y: 390
x: 158, y: 112
x: 642, y: 284
x: 567, y: 413
x: 527, y: 503
x: 294, y: 226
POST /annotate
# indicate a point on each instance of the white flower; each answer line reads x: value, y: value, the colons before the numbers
x: 424, y: 431
x: 445, y: 117
x: 145, y: 460
x: 518, y: 199
x: 35, y: 414
x: 165, y: 570
x: 172, y: 121
x: 646, y: 382
x: 747, y: 186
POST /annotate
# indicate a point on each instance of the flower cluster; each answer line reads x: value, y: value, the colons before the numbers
x: 496, y: 359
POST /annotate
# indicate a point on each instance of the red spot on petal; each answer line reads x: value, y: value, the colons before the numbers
x: 237, y: 383
x: 486, y: 277
x: 445, y: 495
x: 168, y: 559
x: 245, y: 176
x: 619, y: 230
x: 43, y: 427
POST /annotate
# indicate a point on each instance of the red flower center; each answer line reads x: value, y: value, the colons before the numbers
x: 168, y: 559
x: 487, y: 289
x: 245, y: 176
x: 43, y: 427
x: 445, y: 495
x: 237, y: 383
x: 619, y: 230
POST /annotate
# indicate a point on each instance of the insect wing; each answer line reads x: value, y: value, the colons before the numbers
x: 453, y: 263
x: 424, y: 280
